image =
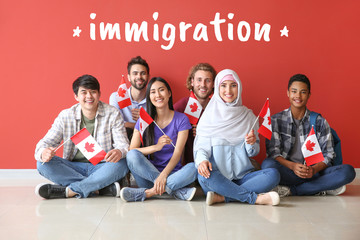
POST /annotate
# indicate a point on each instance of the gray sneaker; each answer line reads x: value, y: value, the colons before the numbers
x: 282, y: 190
x: 337, y: 191
x: 322, y: 193
x: 133, y: 194
x: 184, y: 193
x: 112, y: 189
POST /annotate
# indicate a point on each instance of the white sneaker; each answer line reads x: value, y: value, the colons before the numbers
x: 283, y: 191
x: 275, y: 198
x: 337, y: 191
x: 210, y: 198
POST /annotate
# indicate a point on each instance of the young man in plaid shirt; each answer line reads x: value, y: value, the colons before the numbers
x: 290, y: 129
x: 73, y: 174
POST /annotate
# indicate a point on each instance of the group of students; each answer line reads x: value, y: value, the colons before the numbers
x: 171, y: 155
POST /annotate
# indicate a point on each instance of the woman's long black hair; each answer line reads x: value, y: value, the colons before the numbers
x: 151, y: 110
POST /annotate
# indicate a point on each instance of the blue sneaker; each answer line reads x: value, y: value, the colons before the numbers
x: 133, y: 194
x: 184, y: 193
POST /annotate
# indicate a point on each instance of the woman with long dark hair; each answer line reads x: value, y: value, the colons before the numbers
x: 156, y: 164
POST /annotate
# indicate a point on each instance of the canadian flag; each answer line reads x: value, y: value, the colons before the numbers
x: 145, y: 121
x: 123, y: 97
x: 265, y: 128
x: 311, y: 149
x: 88, y: 146
x: 193, y: 109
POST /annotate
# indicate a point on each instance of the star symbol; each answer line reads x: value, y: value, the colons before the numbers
x: 284, y: 32
x: 77, y: 32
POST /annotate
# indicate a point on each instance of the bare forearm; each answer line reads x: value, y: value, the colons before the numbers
x: 284, y: 162
x: 147, y: 150
x: 172, y: 163
x: 129, y: 125
x: 318, y: 167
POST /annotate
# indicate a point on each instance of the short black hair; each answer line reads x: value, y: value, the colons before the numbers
x: 299, y: 78
x: 86, y: 81
x: 138, y: 60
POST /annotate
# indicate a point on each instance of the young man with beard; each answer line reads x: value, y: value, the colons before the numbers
x: 138, y: 75
x: 201, y: 81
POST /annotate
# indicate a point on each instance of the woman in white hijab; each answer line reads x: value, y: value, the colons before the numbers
x: 222, y: 158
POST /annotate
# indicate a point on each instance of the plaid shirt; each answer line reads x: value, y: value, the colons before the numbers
x: 284, y: 131
x: 109, y: 131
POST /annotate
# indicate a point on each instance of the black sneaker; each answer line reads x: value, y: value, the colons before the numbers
x: 112, y: 189
x: 50, y: 191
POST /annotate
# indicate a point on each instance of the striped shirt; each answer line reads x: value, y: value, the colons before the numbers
x: 284, y: 132
x: 109, y: 131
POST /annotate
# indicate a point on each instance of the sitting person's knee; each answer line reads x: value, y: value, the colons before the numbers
x: 268, y: 163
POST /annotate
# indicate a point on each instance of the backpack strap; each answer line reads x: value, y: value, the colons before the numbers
x: 313, y: 117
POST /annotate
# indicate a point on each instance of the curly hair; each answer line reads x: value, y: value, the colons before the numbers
x: 201, y: 66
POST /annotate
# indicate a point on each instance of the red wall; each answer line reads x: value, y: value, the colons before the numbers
x: 40, y: 58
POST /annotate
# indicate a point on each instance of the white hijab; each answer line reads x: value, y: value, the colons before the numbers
x: 225, y: 123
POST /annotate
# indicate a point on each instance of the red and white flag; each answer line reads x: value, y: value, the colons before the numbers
x: 193, y: 109
x: 88, y: 146
x: 123, y: 97
x: 145, y: 121
x: 265, y: 128
x: 311, y: 149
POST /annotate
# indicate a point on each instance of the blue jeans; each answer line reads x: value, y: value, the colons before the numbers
x: 82, y: 178
x: 145, y: 173
x: 245, y: 189
x: 328, y: 179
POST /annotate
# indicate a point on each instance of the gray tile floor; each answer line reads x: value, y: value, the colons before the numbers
x: 23, y: 215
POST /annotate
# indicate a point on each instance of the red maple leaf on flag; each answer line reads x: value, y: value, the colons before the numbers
x: 122, y: 92
x: 269, y: 120
x: 194, y: 107
x: 310, y: 145
x: 89, y: 147
x: 140, y: 126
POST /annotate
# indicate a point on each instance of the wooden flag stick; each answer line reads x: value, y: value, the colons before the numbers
x: 163, y: 132
x: 58, y: 148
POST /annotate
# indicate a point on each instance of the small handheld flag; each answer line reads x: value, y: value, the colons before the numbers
x: 193, y: 109
x: 123, y: 97
x: 88, y: 146
x: 145, y: 121
x: 311, y: 149
x: 265, y: 128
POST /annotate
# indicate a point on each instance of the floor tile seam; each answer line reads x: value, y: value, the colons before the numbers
x: 102, y: 218
x: 204, y: 217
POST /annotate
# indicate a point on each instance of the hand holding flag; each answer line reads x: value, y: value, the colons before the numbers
x: 145, y: 121
x: 50, y: 153
x: 265, y: 128
x: 311, y: 149
x: 88, y: 146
